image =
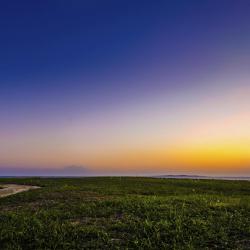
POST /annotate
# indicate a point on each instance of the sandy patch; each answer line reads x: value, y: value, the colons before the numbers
x: 10, y: 189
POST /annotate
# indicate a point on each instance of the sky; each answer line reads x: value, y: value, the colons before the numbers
x: 125, y: 87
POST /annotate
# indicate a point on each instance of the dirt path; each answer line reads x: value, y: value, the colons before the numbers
x: 10, y: 189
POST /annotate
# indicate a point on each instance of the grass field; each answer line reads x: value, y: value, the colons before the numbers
x: 126, y: 213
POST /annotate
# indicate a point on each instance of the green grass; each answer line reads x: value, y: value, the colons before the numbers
x: 126, y: 213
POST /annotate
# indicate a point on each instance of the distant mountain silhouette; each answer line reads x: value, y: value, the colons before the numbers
x: 65, y: 171
x: 203, y: 177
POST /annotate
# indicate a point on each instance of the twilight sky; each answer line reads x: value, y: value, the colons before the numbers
x: 126, y: 86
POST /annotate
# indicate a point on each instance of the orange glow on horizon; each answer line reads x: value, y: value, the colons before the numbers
x: 205, y: 157
x: 197, y: 135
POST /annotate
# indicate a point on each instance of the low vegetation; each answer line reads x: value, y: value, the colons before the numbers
x: 126, y: 213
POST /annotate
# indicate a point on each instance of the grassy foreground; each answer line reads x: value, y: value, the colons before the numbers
x: 126, y: 213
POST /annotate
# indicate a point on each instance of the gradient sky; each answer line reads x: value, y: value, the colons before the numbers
x: 126, y: 86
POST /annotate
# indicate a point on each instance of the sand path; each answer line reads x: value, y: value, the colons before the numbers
x: 10, y: 189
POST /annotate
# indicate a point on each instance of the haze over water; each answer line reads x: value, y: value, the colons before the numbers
x: 125, y: 87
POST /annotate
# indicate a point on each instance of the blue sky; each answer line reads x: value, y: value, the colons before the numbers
x: 68, y: 64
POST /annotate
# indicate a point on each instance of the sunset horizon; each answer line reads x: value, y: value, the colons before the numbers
x: 125, y: 87
x: 125, y: 124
